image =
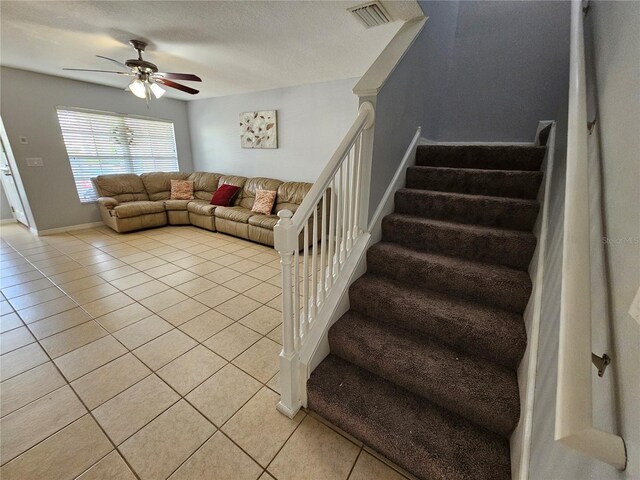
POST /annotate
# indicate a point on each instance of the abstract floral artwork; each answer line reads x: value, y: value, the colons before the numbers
x: 258, y: 129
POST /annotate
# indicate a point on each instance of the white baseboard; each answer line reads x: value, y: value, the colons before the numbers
x: 70, y: 228
x: 426, y: 141
x: 7, y: 221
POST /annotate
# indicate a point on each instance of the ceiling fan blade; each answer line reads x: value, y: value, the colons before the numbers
x: 179, y: 76
x: 177, y: 86
x: 120, y: 64
x: 99, y: 71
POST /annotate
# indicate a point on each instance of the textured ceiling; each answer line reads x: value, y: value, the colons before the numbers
x: 234, y: 46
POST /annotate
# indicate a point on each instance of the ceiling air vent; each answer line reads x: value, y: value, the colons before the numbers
x: 371, y: 14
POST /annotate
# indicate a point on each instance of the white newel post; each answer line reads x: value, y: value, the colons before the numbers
x: 366, y: 158
x: 285, y: 239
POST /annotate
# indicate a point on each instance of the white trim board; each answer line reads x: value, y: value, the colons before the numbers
x: 426, y: 141
x: 70, y: 228
x: 7, y: 221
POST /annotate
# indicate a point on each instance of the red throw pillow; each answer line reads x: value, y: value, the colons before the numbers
x: 223, y: 195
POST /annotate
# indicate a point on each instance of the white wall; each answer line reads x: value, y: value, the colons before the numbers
x: 28, y: 108
x: 312, y: 119
x: 5, y: 208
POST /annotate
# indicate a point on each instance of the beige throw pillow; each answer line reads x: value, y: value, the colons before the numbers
x: 181, y: 190
x: 264, y: 201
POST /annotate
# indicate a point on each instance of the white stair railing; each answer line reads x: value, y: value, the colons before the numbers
x: 314, y: 245
x: 574, y: 403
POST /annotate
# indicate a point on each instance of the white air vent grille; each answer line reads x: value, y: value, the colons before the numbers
x: 371, y: 14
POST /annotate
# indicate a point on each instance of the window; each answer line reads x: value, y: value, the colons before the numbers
x: 100, y: 143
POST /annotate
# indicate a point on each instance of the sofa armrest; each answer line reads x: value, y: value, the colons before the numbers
x: 108, y: 202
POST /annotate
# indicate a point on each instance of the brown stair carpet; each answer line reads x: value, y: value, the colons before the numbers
x: 422, y: 367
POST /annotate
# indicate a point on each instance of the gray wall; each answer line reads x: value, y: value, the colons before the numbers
x: 613, y: 41
x: 479, y: 71
x: 5, y: 208
x: 28, y: 108
x: 311, y: 122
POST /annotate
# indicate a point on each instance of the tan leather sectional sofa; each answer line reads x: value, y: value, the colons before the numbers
x: 132, y: 202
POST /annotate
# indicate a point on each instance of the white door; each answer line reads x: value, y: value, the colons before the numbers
x: 10, y: 189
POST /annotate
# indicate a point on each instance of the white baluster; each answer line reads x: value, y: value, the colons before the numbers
x: 323, y: 245
x: 314, y: 267
x: 305, y: 279
x: 331, y: 238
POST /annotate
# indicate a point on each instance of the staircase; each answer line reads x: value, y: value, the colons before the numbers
x: 423, y: 366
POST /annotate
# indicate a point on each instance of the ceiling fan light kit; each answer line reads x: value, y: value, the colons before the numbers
x: 147, y: 78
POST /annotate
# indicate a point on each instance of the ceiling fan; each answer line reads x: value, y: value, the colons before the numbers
x: 146, y: 77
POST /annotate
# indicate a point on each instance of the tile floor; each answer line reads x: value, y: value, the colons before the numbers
x: 151, y: 355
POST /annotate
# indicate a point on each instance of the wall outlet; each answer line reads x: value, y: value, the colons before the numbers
x: 35, y: 162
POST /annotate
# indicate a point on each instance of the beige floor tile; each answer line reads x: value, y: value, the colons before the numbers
x: 35, y: 298
x: 61, y: 456
x: 9, y: 322
x: 215, y: 296
x: 266, y: 476
x: 183, y: 312
x: 262, y: 320
x: 206, y: 325
x: 93, y: 355
x: 175, y: 256
x: 218, y: 459
x: 33, y: 423
x: 160, y: 351
x: 189, y: 370
x: 147, y: 265
x: 116, y: 273
x: 59, y: 322
x: 222, y: 275
x: 132, y: 409
x: 242, y: 283
x: 107, y: 304
x: 14, y: 339
x: 261, y: 360
x: 106, y: 382
x: 232, y: 341
x: 238, y: 307
x: 136, y: 257
x: 71, y: 275
x: 196, y: 286
x: 111, y: 467
x: 22, y: 389
x: 244, y: 265
x: 7, y: 280
x: 189, y: 261
x: 97, y: 268
x: 276, y: 334
x: 314, y: 451
x: 263, y: 293
x: 178, y: 278
x: 131, y: 281
x: 76, y: 337
x: 368, y: 467
x: 123, y: 317
x: 26, y: 288
x: 205, y: 268
x: 163, y: 300
x: 274, y: 383
x: 46, y: 309
x: 276, y: 303
x: 61, y: 268
x: 223, y: 394
x: 161, y: 446
x: 89, y: 295
x: 81, y: 284
x: 145, y: 290
x: 259, y: 429
x: 163, y: 270
x: 21, y: 360
x: 5, y: 307
x: 143, y: 331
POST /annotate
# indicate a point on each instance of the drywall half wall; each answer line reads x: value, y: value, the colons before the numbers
x: 5, y: 208
x: 312, y: 119
x: 28, y: 108
x: 612, y: 42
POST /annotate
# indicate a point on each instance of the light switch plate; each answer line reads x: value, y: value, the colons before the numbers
x: 35, y: 162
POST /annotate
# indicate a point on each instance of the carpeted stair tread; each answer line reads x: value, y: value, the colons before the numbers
x: 489, y: 284
x: 484, y: 244
x: 497, y: 183
x: 480, y: 391
x: 428, y: 441
x: 498, y: 157
x: 487, y: 332
x: 500, y: 212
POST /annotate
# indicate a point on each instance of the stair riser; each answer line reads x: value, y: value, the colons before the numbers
x: 482, y: 287
x: 508, y: 250
x: 474, y: 211
x: 498, y: 343
x: 496, y: 158
x: 476, y: 182
x: 439, y: 380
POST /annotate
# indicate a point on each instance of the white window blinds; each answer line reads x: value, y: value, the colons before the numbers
x: 100, y: 143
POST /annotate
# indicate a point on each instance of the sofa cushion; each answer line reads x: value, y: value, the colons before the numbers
x: 158, y: 184
x: 235, y: 214
x: 124, y: 187
x: 201, y: 207
x: 248, y: 194
x: 290, y: 195
x: 135, y: 209
x: 233, y: 180
x: 175, y: 205
x: 204, y: 184
x: 264, y: 221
